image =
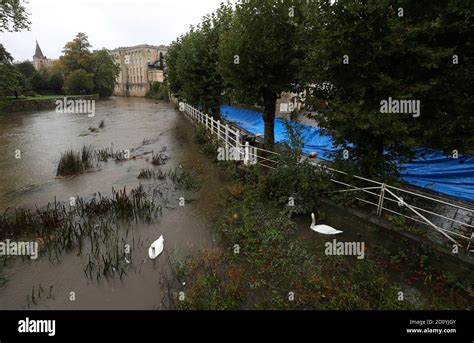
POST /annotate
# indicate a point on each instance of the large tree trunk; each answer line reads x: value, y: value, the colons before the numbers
x: 216, y: 112
x: 269, y: 100
x: 372, y: 157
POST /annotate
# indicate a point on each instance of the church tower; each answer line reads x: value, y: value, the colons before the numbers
x: 39, y: 60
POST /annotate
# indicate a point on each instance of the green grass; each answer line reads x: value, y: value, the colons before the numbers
x: 41, y: 97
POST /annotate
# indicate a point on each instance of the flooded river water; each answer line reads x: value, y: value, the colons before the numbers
x: 135, y: 124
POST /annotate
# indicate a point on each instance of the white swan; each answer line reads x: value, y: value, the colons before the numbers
x: 156, y: 248
x: 323, y: 229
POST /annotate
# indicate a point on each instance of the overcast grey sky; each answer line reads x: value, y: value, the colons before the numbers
x: 108, y: 23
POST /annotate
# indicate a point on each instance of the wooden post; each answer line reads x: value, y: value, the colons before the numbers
x: 218, y: 129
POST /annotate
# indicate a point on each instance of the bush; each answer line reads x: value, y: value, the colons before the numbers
x: 158, y: 91
x: 77, y: 81
x: 39, y: 81
x: 293, y: 178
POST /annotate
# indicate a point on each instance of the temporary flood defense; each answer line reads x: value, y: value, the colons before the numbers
x: 430, y: 169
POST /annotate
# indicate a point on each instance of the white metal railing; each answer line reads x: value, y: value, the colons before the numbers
x: 383, y: 193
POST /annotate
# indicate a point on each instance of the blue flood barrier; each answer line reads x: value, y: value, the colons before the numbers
x: 430, y: 169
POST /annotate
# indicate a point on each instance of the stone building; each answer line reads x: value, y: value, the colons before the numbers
x: 40, y: 60
x: 140, y: 66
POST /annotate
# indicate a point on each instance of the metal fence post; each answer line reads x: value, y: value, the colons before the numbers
x: 226, y: 135
x: 381, y: 199
x: 246, y: 156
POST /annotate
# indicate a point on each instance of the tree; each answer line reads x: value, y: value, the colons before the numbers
x: 192, y: 62
x: 105, y: 71
x: 260, y: 55
x: 26, y: 68
x: 13, y: 16
x: 439, y: 70
x: 77, y: 55
x: 175, y: 83
x: 55, y: 82
x: 77, y: 81
x: 9, y: 77
x: 39, y: 81
x: 25, y: 72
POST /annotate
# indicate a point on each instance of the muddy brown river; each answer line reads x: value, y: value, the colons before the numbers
x: 135, y: 124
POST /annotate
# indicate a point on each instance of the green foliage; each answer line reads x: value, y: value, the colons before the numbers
x: 201, y: 134
x: 78, y: 80
x: 26, y: 68
x: 159, y: 91
x: 105, y: 71
x: 265, y: 47
x: 294, y: 178
x: 259, y: 57
x: 55, y: 82
x: 48, y: 80
x: 39, y: 81
x: 100, y: 67
x: 76, y: 55
x: 404, y: 57
x: 9, y: 77
x: 192, y: 61
x: 13, y: 16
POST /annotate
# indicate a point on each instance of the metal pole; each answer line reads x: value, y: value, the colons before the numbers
x: 246, y: 156
x: 381, y: 199
x: 423, y: 217
x: 226, y: 135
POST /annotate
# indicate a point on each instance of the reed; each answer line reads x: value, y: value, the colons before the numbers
x: 74, y: 162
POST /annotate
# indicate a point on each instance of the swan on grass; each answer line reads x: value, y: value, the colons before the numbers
x: 156, y: 248
x: 323, y: 229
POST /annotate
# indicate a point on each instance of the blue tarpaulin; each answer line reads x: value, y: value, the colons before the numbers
x: 430, y: 169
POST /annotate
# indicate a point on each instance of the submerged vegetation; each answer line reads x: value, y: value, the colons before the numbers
x: 185, y: 179
x: 161, y: 158
x: 152, y: 174
x: 91, y: 227
x: 74, y: 162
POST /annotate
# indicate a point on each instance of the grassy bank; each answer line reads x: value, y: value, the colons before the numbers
x: 265, y: 264
x: 44, y: 97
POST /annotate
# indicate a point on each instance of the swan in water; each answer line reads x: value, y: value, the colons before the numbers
x: 323, y: 229
x: 156, y: 248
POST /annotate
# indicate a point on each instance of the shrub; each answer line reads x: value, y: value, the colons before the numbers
x: 158, y: 91
x: 77, y: 81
